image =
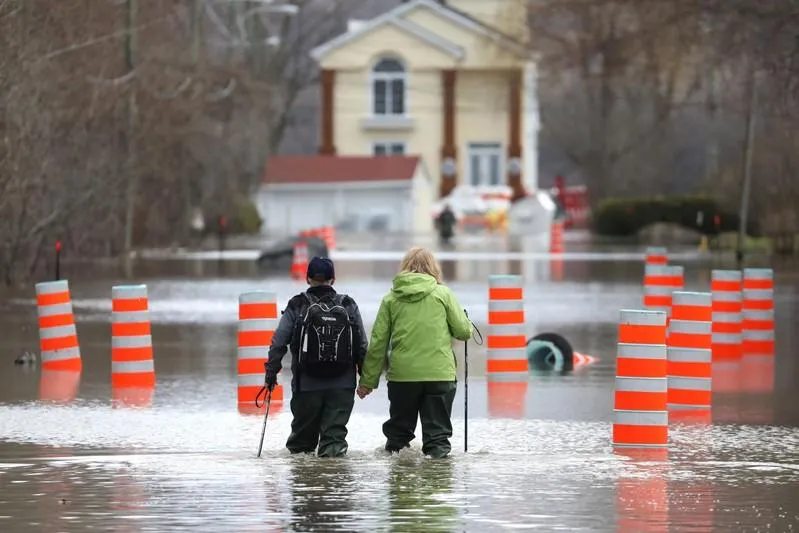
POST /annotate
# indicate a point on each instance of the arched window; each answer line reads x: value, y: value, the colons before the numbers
x: 388, y: 88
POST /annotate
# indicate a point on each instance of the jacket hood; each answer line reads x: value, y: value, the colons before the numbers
x: 412, y: 287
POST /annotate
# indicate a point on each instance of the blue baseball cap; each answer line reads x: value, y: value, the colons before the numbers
x: 321, y: 268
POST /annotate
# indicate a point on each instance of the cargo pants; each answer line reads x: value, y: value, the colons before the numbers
x: 430, y: 401
x: 320, y: 420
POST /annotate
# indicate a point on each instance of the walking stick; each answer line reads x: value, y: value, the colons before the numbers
x: 466, y: 382
x: 466, y: 396
x: 268, y: 397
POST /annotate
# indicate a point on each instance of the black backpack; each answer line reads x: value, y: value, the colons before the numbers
x: 325, y: 338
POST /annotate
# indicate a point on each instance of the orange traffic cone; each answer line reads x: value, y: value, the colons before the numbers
x: 299, y: 263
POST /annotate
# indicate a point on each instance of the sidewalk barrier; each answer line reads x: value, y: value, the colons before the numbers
x: 726, y: 287
x: 657, y: 255
x: 690, y: 369
x: 758, y: 311
x: 507, y: 368
x: 659, y: 282
x: 58, y: 337
x: 299, y: 261
x: 258, y: 319
x: 132, y: 366
x: 640, y: 415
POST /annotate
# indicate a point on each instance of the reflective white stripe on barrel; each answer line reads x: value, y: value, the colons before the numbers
x: 52, y: 287
x: 642, y: 351
x: 258, y: 324
x: 129, y: 292
x: 57, y: 332
x: 689, y: 355
x: 139, y: 341
x: 54, y: 310
x: 250, y: 380
x: 506, y: 305
x: 641, y: 418
x: 132, y: 367
x: 253, y: 352
x: 641, y: 384
x: 61, y: 355
x: 258, y: 297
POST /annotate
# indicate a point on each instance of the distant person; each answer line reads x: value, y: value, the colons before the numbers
x: 412, y: 337
x: 445, y: 222
x: 328, y: 343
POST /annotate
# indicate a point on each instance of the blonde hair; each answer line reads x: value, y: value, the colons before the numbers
x: 421, y: 261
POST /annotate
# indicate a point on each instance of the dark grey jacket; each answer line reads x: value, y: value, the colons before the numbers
x: 285, y: 333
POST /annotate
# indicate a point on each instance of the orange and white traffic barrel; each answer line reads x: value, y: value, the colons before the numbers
x: 299, y: 260
x: 257, y: 325
x: 640, y: 416
x: 758, y: 311
x: 507, y: 368
x: 132, y: 363
x: 726, y: 287
x: 556, y: 237
x: 657, y: 255
x: 690, y: 368
x: 58, y: 337
x: 660, y: 281
x: 507, y: 342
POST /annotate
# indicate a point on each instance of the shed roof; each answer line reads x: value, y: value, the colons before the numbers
x: 326, y: 169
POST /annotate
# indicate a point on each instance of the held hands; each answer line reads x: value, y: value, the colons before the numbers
x: 363, y: 391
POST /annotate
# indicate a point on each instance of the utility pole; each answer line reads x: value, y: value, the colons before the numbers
x: 131, y: 52
x: 747, y: 170
x: 711, y: 105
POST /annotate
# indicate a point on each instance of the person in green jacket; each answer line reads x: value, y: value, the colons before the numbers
x: 412, y: 336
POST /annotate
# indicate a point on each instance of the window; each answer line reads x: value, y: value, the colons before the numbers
x: 388, y: 88
x: 484, y: 164
x: 388, y: 148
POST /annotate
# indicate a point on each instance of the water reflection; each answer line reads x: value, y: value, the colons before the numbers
x: 507, y: 399
x: 642, y: 491
x: 324, y: 494
x: 420, y: 495
x: 59, y: 386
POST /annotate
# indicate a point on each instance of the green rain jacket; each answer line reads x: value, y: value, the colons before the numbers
x: 413, y: 332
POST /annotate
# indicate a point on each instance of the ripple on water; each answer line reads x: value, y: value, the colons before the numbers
x: 176, y: 469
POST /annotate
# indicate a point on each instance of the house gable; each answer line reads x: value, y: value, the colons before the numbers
x: 473, y: 36
x: 395, y: 38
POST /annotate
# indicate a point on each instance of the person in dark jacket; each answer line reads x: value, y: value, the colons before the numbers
x: 321, y: 406
x: 445, y: 223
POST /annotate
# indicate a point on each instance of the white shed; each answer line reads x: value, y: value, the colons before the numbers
x: 380, y: 193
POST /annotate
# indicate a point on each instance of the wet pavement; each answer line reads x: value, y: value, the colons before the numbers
x: 539, y: 455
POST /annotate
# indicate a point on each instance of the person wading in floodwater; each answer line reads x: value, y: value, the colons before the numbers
x: 328, y: 343
x: 412, y: 336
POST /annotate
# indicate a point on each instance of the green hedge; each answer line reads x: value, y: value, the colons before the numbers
x: 625, y: 217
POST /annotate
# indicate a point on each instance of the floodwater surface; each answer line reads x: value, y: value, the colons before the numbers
x: 539, y: 456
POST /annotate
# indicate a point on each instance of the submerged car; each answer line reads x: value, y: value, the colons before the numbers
x: 278, y: 257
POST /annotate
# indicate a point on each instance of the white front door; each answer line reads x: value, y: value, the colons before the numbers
x: 485, y: 164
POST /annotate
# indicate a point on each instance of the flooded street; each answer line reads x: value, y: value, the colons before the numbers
x: 539, y: 455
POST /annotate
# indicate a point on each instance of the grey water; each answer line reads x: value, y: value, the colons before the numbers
x: 539, y: 455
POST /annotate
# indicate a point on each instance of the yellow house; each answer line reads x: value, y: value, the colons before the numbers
x: 452, y: 81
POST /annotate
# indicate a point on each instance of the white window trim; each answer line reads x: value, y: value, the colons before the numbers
x: 388, y: 144
x: 388, y: 76
x: 503, y: 178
